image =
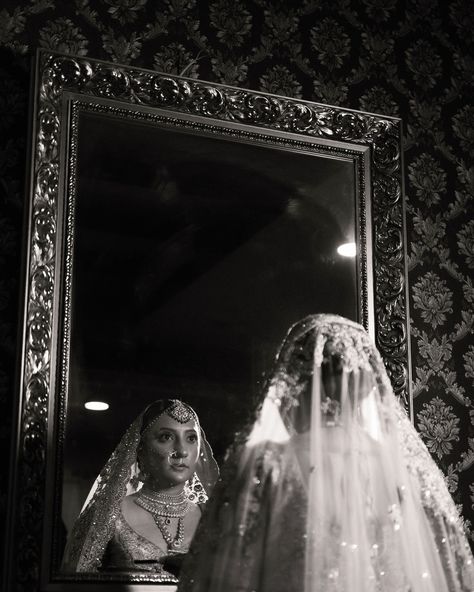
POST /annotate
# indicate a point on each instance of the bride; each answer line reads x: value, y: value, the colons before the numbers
x: 329, y: 487
x: 144, y: 507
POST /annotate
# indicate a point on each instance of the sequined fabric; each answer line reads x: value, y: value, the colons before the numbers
x: 453, y: 547
x: 247, y: 520
x: 329, y: 488
x: 318, y: 337
x: 95, y: 526
x: 129, y: 551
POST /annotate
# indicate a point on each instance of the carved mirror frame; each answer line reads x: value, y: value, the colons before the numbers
x: 64, y: 85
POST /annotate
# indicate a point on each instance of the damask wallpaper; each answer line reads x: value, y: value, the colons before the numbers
x: 409, y: 58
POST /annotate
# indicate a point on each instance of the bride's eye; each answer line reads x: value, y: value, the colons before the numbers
x: 165, y: 437
x: 192, y: 438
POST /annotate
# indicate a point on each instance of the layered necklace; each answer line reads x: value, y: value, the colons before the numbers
x: 163, y: 507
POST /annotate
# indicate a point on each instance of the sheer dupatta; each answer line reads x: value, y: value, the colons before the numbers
x: 329, y: 487
x: 95, y: 525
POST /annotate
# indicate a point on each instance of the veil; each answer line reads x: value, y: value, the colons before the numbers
x: 329, y: 487
x: 94, y: 526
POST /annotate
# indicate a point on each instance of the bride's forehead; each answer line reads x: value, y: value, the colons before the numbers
x: 165, y: 421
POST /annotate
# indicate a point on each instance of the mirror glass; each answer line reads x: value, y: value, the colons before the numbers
x: 192, y: 257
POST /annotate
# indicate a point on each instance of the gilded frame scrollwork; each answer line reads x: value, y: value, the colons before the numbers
x: 61, y: 82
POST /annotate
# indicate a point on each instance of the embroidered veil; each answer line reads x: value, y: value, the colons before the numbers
x: 329, y: 487
x: 95, y: 525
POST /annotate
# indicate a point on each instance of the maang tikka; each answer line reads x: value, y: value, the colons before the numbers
x: 178, y: 411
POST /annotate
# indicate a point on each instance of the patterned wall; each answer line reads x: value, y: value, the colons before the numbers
x: 409, y: 58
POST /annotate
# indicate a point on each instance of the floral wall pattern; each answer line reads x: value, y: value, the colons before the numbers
x: 410, y: 58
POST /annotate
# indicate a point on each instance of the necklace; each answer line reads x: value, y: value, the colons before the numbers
x: 163, y: 505
x: 173, y: 543
x: 161, y: 497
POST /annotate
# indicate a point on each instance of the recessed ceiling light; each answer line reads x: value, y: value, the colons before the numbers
x: 96, y: 405
x: 347, y: 250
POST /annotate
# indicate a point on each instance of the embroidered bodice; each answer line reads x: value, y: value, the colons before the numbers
x: 129, y: 550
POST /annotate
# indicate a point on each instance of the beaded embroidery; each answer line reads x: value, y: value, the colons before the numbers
x: 245, y: 536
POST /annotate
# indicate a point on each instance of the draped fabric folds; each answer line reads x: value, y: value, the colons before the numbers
x: 329, y: 487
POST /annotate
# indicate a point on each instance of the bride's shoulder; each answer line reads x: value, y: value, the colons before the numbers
x: 130, y: 510
x: 129, y: 500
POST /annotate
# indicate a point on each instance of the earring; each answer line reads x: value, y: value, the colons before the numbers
x: 134, y: 481
x: 140, y: 477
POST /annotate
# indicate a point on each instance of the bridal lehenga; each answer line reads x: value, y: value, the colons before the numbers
x: 329, y: 487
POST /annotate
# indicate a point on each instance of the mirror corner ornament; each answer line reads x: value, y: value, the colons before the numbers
x: 57, y: 74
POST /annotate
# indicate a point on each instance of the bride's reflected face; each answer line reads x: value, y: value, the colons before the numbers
x: 169, y: 451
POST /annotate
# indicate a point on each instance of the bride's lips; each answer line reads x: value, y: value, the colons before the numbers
x: 179, y: 467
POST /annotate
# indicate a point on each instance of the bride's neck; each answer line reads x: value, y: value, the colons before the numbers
x: 154, y: 487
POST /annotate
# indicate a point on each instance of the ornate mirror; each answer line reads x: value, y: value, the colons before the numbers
x: 177, y: 228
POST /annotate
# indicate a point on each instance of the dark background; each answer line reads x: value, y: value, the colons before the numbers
x: 193, y: 255
x: 413, y: 59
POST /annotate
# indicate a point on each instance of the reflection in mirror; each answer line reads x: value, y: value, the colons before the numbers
x: 192, y: 256
x: 144, y: 507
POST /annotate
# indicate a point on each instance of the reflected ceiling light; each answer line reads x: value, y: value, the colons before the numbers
x: 347, y: 250
x: 96, y: 405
